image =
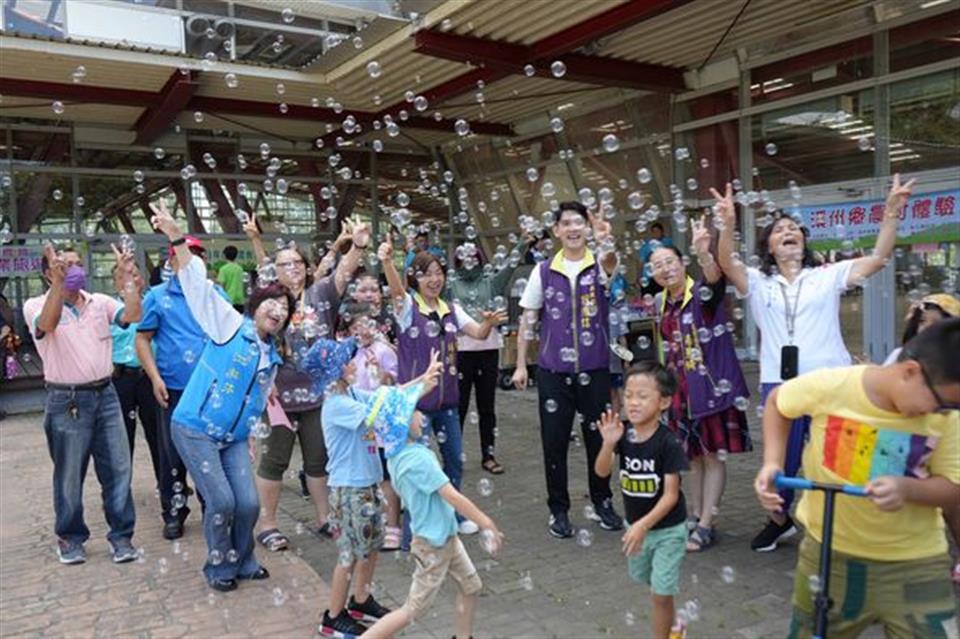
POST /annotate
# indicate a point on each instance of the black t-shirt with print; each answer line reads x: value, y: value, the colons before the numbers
x: 643, y: 466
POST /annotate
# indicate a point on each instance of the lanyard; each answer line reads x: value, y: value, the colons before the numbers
x: 790, y: 314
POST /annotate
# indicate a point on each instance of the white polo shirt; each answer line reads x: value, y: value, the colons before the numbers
x: 816, y: 293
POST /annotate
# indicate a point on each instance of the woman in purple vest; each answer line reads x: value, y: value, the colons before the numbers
x: 696, y: 344
x: 425, y: 323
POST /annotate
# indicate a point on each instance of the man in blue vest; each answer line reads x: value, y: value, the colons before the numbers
x: 569, y: 296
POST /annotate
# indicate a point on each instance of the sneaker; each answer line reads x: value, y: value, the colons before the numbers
x: 468, y: 527
x: 606, y: 516
x: 343, y: 626
x: 560, y: 526
x: 173, y: 530
x: 123, y: 551
x: 767, y: 539
x: 69, y: 553
x: 370, y: 610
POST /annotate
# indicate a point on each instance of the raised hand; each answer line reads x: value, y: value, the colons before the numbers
x: 57, y: 268
x: 385, y: 251
x: 700, y: 235
x: 724, y: 207
x: 601, y: 227
x: 163, y: 222
x: 250, y: 227
x: 361, y: 235
x: 495, y: 318
x: 899, y: 193
x: 611, y: 428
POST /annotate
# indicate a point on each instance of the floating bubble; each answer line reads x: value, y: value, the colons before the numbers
x: 231, y: 80
x: 692, y: 184
x: 741, y: 403
x: 57, y: 107
x: 550, y: 405
x: 526, y: 581
x: 864, y: 143
x: 728, y: 575
x: 610, y: 143
x: 532, y: 174
x: 584, y: 538
x: 529, y: 70
x: 814, y: 582
x: 373, y: 69
x: 485, y: 487
x: 420, y: 103
x: 462, y: 127
x: 558, y: 69
x: 189, y: 357
x: 644, y: 176
x: 770, y: 149
x: 287, y: 15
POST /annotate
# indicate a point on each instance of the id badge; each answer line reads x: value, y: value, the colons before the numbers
x: 789, y: 362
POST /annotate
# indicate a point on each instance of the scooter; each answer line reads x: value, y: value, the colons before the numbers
x: 822, y: 602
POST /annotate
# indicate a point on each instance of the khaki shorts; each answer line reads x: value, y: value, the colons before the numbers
x: 433, y: 565
x: 909, y: 599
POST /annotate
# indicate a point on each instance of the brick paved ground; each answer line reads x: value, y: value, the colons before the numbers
x: 540, y: 587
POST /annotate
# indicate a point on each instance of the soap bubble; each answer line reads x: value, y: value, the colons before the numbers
x: 814, y: 582
x: 728, y: 575
x: 526, y: 581
x: 864, y: 143
x: 556, y: 125
x: 485, y: 487
x: 231, y: 80
x: 287, y: 15
x: 584, y: 538
x: 529, y: 70
x: 770, y: 149
x: 610, y: 143
x: 558, y: 69
x: 532, y: 174
x: 550, y: 405
x: 373, y: 69
x: 644, y: 176
x: 462, y: 127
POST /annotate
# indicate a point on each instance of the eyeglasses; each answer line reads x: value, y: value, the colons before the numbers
x: 942, y: 406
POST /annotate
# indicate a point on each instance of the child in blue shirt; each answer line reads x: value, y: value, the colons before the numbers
x: 432, y: 502
x: 356, y: 504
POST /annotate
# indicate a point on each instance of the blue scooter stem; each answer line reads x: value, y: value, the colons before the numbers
x: 800, y: 483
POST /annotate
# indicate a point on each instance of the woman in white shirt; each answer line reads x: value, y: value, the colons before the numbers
x: 795, y: 302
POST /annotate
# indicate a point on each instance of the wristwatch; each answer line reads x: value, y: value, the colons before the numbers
x: 180, y: 240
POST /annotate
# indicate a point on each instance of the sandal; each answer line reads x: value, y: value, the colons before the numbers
x: 273, y: 540
x: 391, y: 539
x: 325, y: 531
x: 492, y: 466
x: 701, y: 539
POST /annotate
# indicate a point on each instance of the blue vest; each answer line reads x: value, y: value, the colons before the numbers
x: 226, y: 393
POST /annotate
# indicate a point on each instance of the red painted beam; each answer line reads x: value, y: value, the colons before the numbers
x: 77, y: 92
x: 174, y: 96
x: 512, y: 58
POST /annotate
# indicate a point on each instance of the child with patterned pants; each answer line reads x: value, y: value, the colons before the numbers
x: 894, y: 430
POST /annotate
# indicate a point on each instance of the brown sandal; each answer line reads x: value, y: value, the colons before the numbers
x: 492, y: 466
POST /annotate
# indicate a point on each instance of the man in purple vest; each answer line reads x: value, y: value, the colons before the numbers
x: 568, y: 296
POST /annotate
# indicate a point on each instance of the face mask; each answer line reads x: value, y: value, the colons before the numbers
x: 75, y: 279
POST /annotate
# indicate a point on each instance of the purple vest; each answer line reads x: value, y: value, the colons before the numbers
x: 719, y: 355
x: 573, y: 329
x: 431, y: 332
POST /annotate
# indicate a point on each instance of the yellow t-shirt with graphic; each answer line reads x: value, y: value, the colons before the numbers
x: 852, y: 441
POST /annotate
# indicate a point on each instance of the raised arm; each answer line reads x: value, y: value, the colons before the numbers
x: 132, y: 301
x: 864, y: 267
x: 481, y: 331
x: 215, y: 315
x: 385, y: 254
x: 253, y: 232
x: 606, y: 248
x: 611, y: 429
x: 734, y: 269
x: 49, y: 316
x: 701, y: 248
x: 359, y: 238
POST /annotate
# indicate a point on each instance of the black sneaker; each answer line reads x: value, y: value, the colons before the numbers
x: 304, y: 490
x: 173, y: 530
x: 560, y: 526
x: 343, y: 626
x: 606, y: 516
x: 768, y: 538
x: 370, y: 610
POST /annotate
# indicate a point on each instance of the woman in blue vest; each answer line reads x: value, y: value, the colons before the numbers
x: 221, y: 407
x: 425, y: 323
x: 696, y: 344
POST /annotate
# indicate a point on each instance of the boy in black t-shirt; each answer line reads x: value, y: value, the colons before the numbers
x: 650, y: 463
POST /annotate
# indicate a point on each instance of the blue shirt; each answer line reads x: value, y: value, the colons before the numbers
x: 417, y: 477
x: 178, y: 340
x: 124, y: 351
x: 352, y: 457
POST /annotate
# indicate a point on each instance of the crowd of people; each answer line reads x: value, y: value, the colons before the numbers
x: 368, y: 375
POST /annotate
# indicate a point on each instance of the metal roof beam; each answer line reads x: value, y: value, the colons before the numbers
x: 174, y: 96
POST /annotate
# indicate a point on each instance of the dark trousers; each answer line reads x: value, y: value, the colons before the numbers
x: 480, y: 369
x: 561, y: 396
x: 173, y: 472
x: 137, y: 400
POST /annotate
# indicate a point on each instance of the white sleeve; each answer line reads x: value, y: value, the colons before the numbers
x: 218, y: 319
x: 754, y: 281
x: 839, y: 273
x: 404, y: 314
x: 532, y: 297
x: 463, y: 318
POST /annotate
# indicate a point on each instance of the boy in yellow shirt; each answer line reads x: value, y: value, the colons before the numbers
x: 896, y: 431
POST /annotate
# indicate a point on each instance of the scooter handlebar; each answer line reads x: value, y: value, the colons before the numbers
x: 801, y: 483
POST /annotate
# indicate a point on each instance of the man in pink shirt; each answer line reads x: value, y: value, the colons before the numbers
x: 82, y: 417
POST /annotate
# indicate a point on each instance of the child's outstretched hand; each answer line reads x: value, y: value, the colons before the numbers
x: 887, y: 492
x: 431, y: 377
x: 611, y: 428
x: 766, y: 488
x: 491, y: 539
x: 633, y: 538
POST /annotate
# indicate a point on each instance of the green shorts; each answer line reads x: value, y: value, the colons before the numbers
x: 356, y: 520
x: 659, y: 560
x: 907, y: 598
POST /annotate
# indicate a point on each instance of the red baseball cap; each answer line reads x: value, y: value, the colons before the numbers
x: 192, y: 243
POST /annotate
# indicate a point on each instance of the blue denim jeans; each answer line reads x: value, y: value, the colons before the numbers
x: 224, y: 474
x: 793, y: 458
x: 444, y: 425
x: 80, y: 424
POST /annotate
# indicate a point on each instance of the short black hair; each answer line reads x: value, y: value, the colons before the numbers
x: 666, y: 382
x: 66, y: 248
x: 935, y: 349
x: 272, y: 291
x: 575, y: 207
x: 656, y: 225
x: 230, y: 252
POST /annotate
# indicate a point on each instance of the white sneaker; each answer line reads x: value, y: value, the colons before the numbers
x: 468, y: 527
